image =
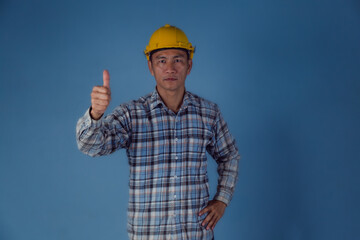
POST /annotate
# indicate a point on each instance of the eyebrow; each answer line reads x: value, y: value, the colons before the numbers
x: 176, y: 56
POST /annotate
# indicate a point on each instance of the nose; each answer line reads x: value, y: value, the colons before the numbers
x: 170, y: 67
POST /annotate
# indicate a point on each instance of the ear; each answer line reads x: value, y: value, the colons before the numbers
x: 189, y: 66
x: 150, y: 67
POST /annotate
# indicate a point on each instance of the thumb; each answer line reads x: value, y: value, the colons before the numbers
x: 106, y: 79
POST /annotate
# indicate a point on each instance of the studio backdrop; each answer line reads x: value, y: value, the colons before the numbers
x: 285, y: 75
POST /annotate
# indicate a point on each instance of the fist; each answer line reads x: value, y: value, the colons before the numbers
x: 100, y: 97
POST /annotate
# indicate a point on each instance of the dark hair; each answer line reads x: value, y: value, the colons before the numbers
x: 157, y: 50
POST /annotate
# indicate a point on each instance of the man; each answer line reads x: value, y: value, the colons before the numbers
x: 166, y: 135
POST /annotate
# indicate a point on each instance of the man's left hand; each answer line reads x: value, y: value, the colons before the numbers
x: 215, y: 210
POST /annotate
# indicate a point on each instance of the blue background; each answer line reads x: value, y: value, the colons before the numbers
x: 285, y: 74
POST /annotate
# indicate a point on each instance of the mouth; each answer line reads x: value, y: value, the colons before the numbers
x: 170, y: 79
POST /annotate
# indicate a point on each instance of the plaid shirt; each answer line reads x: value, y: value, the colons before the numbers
x: 168, y: 164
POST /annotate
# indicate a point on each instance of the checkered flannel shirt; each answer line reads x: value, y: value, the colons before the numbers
x: 168, y: 164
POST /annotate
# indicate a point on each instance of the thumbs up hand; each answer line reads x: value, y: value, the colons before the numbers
x: 100, y: 97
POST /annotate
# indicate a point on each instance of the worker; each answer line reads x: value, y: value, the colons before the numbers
x: 166, y: 135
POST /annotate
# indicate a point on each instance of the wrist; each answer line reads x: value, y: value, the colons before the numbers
x: 94, y: 115
x: 222, y: 203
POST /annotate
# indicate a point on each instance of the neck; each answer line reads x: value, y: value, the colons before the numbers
x: 172, y: 99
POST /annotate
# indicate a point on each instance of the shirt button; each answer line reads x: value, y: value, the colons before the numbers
x: 174, y: 196
x: 175, y: 176
x: 176, y: 139
x: 176, y: 157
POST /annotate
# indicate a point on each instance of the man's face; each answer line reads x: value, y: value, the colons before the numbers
x: 170, y: 68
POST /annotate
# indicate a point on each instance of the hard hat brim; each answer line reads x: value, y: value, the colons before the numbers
x: 188, y: 52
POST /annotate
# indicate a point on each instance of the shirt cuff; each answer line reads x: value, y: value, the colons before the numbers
x: 223, y: 197
x: 89, y: 121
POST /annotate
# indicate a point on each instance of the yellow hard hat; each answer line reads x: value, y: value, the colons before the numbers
x: 168, y: 37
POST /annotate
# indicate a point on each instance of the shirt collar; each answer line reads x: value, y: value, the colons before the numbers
x: 156, y: 100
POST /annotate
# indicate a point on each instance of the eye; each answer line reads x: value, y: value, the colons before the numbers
x: 162, y: 61
x: 178, y: 60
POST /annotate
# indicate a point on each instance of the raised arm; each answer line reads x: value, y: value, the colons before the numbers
x: 97, y: 135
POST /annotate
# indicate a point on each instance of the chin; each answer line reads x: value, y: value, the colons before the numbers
x: 171, y: 89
